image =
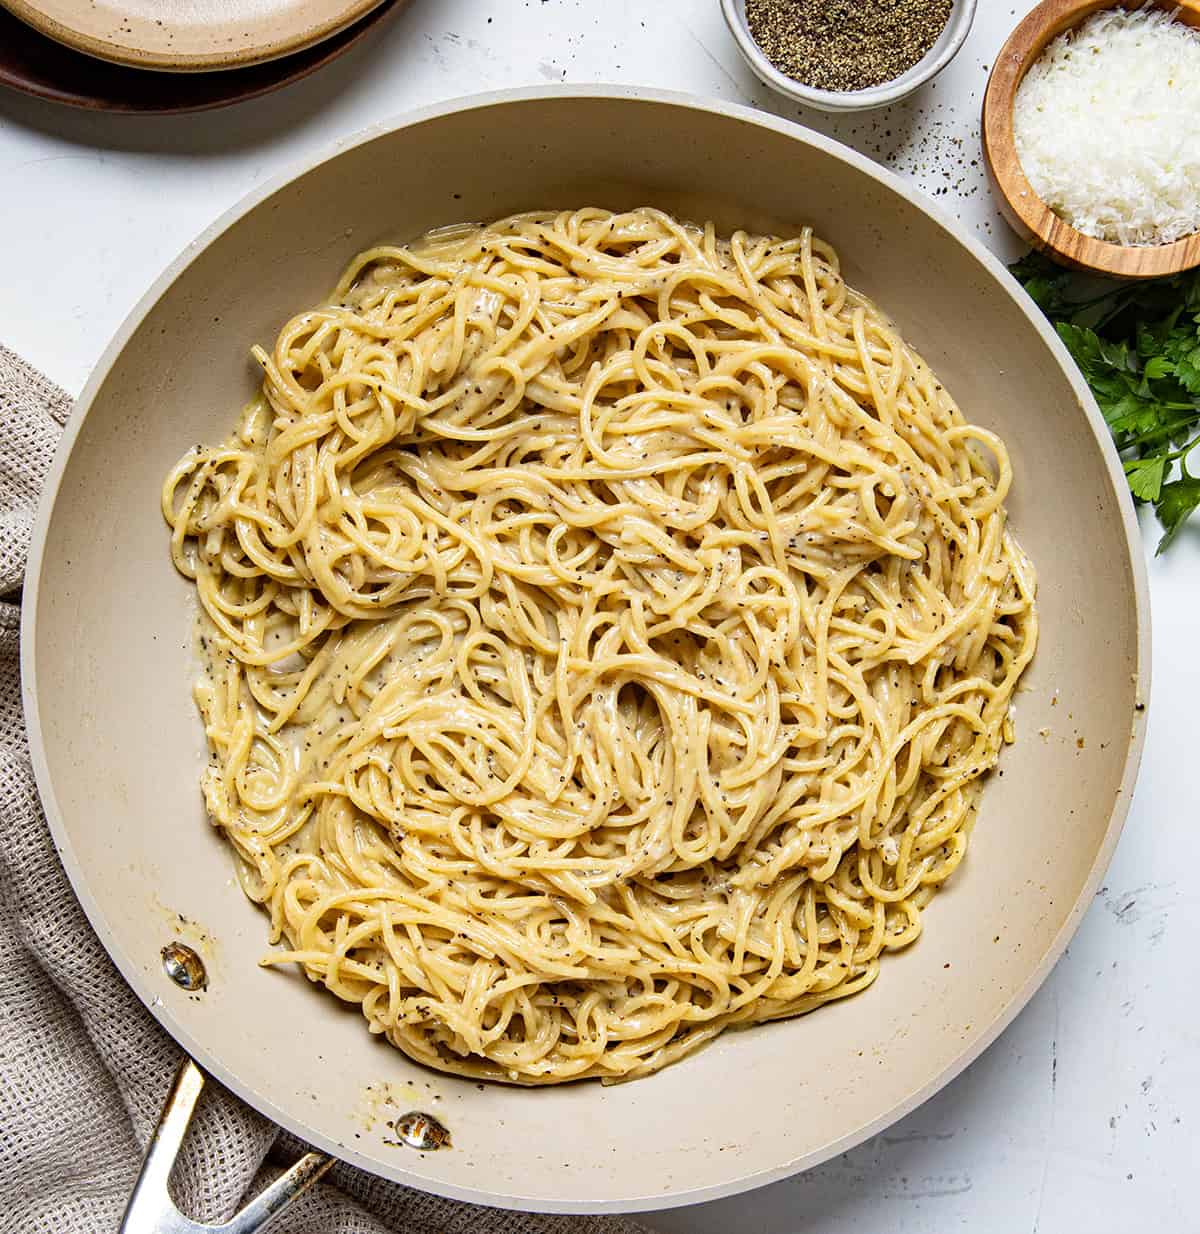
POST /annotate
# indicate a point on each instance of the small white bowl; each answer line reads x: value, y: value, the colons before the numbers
x: 928, y: 67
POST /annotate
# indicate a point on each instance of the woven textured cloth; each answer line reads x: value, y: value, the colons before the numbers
x: 84, y: 1068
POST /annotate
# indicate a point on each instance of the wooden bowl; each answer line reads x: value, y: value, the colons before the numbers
x: 1025, y: 211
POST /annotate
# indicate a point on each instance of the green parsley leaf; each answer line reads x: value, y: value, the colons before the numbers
x: 1138, y: 347
x: 1111, y: 371
x: 1145, y: 476
x: 1181, y: 349
x: 1044, y: 281
x: 1176, y: 503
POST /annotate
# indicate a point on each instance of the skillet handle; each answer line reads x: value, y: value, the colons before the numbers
x: 151, y: 1209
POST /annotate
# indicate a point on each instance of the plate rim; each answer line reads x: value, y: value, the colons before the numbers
x: 278, y: 73
x: 978, y: 1041
x: 283, y: 71
x: 259, y: 52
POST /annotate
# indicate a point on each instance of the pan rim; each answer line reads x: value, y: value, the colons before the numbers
x: 978, y: 1041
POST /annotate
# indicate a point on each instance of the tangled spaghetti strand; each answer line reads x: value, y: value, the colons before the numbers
x: 606, y: 627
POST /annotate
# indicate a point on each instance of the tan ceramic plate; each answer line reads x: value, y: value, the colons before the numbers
x: 117, y: 745
x: 198, y: 35
x: 38, y: 66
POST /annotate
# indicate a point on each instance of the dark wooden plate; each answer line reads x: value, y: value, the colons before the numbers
x: 34, y: 64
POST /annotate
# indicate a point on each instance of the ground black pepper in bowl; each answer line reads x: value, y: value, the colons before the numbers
x: 846, y: 44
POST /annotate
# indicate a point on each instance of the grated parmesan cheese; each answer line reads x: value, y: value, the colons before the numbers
x: 1107, y: 127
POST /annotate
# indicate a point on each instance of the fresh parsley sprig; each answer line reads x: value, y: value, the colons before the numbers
x: 1138, y: 346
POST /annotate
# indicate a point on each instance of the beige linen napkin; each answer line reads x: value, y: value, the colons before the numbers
x: 84, y: 1068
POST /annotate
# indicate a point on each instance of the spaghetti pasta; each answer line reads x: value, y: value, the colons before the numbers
x: 607, y: 626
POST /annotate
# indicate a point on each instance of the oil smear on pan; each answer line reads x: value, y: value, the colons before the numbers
x: 381, y: 1105
x: 187, y: 931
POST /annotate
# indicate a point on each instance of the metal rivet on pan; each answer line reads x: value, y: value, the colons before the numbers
x: 421, y: 1131
x: 184, y: 967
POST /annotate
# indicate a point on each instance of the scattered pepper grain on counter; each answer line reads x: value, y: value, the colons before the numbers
x: 846, y: 44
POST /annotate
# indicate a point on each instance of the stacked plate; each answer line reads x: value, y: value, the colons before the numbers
x: 143, y: 56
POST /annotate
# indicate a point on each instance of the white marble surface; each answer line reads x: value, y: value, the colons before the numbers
x: 1085, y: 1114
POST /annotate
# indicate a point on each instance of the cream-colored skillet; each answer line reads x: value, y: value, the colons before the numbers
x: 109, y: 659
